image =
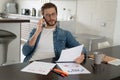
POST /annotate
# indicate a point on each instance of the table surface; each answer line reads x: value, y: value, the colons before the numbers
x: 98, y: 72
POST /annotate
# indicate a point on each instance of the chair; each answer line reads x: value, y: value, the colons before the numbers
x: 5, y: 38
x: 103, y: 45
x: 99, y: 43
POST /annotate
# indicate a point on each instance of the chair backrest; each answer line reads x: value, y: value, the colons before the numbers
x: 100, y: 43
x: 103, y: 44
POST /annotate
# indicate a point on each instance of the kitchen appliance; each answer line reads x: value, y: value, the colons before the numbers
x: 25, y: 11
x: 33, y: 12
x: 11, y: 7
x: 39, y: 14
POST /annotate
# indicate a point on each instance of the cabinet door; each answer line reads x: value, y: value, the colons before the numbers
x: 26, y: 28
x: 25, y: 31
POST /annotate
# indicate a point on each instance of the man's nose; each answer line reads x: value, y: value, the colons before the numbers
x: 50, y: 16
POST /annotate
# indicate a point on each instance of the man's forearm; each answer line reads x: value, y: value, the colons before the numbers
x: 33, y: 39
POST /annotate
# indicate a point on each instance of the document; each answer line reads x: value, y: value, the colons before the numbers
x: 39, y: 67
x: 73, y: 68
x: 70, y: 54
x: 115, y: 62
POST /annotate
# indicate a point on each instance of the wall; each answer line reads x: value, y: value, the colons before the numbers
x: 117, y: 25
x: 96, y: 17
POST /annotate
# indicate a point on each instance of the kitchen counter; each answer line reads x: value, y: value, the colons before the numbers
x: 11, y: 20
x: 32, y: 18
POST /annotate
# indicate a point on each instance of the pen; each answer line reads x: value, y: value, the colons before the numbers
x: 60, y: 71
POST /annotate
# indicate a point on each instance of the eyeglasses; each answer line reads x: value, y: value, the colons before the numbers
x: 50, y: 15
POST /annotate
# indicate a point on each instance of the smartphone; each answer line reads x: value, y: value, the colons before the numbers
x: 44, y: 23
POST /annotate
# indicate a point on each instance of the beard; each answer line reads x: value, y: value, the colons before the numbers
x: 51, y: 22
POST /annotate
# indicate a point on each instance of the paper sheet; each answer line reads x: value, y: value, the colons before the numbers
x: 39, y: 67
x: 73, y: 68
x: 70, y: 54
x: 115, y: 62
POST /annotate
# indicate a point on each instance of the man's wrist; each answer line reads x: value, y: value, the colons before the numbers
x: 37, y: 33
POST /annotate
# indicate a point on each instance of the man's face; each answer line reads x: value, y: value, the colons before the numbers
x: 50, y: 16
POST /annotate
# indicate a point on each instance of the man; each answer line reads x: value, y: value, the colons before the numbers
x: 49, y: 39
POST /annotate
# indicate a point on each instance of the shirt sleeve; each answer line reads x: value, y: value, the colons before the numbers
x: 72, y: 42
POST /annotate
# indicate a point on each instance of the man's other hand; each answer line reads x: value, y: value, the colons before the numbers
x: 80, y: 59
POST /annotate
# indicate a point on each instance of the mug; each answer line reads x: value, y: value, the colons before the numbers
x: 98, y: 57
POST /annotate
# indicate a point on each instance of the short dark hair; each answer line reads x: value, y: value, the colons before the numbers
x: 48, y: 5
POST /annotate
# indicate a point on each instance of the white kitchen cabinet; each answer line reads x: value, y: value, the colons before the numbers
x: 26, y: 28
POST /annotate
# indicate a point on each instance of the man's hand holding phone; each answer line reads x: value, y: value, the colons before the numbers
x: 40, y: 25
x: 38, y: 30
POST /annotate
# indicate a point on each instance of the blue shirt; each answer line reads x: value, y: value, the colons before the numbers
x: 61, y: 38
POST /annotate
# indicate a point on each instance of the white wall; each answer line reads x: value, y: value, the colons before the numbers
x: 96, y: 17
x: 117, y: 25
